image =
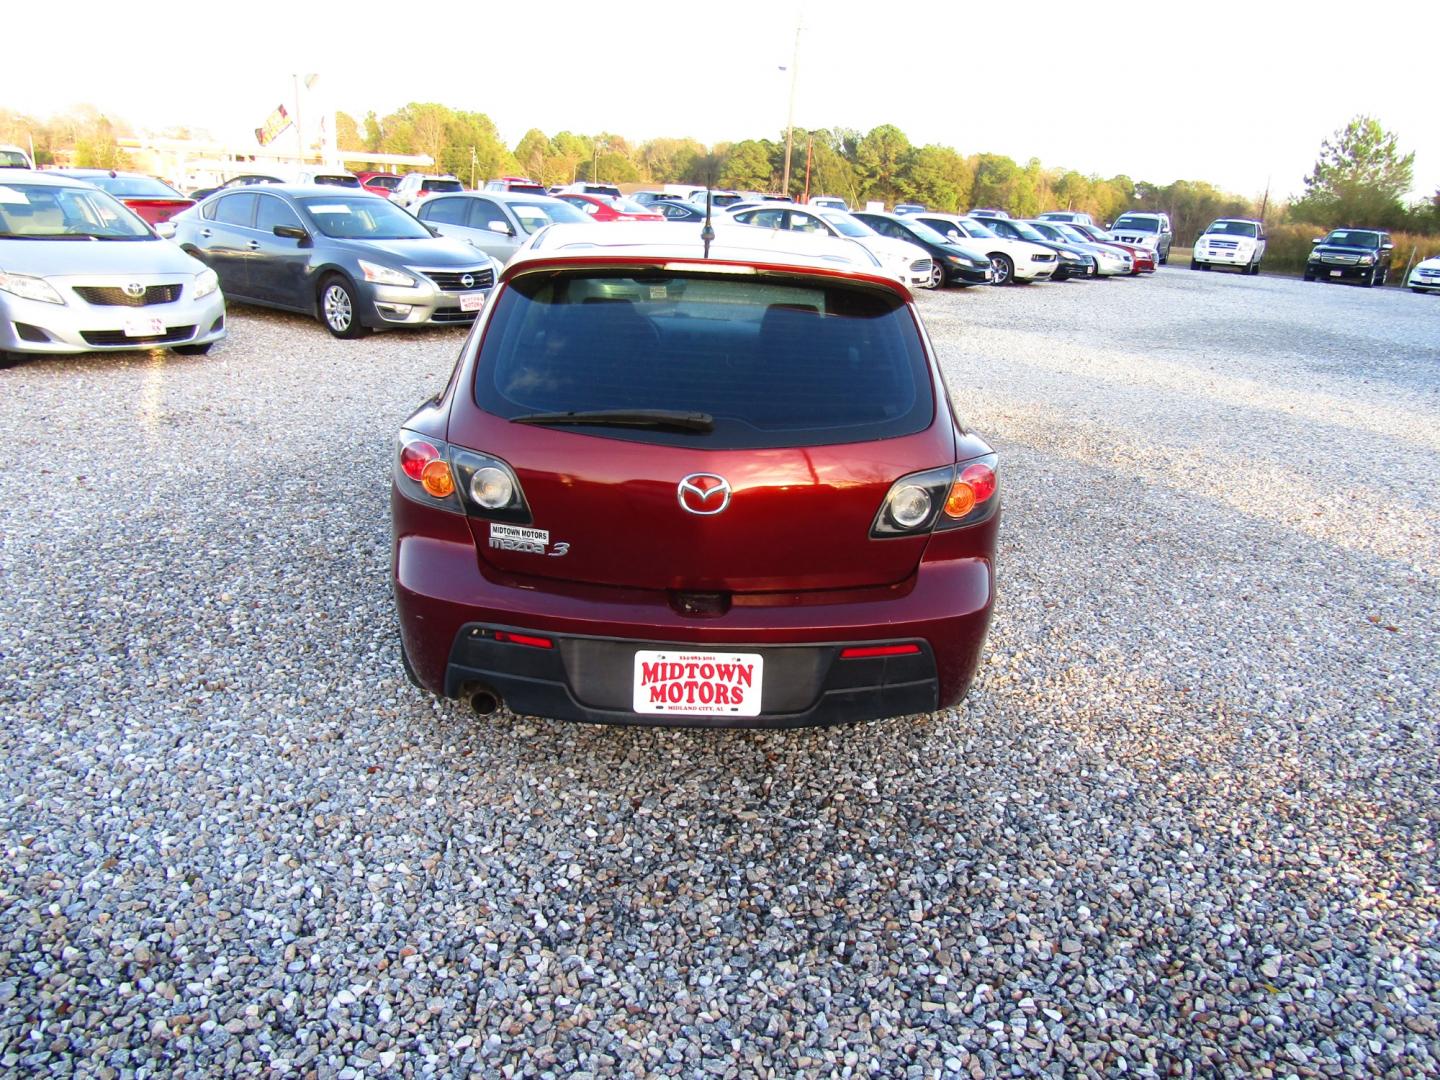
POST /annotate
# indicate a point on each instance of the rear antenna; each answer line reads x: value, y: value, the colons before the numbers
x: 707, y: 234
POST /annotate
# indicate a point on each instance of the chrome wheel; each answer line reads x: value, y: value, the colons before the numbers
x: 937, y: 276
x: 1003, y: 269
x: 339, y: 311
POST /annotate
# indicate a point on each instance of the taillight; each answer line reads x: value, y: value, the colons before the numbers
x: 949, y: 497
x: 463, y: 481
x: 972, y: 496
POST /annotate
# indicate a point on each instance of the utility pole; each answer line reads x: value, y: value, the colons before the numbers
x: 790, y: 116
x: 472, y: 168
x: 1265, y: 201
x: 299, y: 128
x: 809, y: 153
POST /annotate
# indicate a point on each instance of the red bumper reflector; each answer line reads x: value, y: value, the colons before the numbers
x: 857, y: 652
x: 523, y: 639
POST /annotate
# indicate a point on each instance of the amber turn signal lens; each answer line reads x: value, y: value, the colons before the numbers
x: 961, y: 499
x: 435, y: 478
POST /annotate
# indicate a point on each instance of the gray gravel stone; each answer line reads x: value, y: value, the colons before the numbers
x: 1184, y: 825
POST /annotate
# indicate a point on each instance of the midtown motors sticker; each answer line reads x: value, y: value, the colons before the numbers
x: 698, y: 684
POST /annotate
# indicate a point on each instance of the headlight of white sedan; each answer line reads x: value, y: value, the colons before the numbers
x: 383, y: 275
x: 31, y: 288
x: 206, y: 282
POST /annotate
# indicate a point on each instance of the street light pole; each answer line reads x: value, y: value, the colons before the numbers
x: 790, y: 116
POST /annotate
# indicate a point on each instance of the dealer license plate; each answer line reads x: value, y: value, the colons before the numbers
x: 143, y: 327
x: 472, y: 301
x: 698, y: 683
x: 1336, y: 273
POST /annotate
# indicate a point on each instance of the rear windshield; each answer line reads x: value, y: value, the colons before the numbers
x: 134, y: 187
x: 776, y: 363
x: 337, y: 180
x: 441, y: 185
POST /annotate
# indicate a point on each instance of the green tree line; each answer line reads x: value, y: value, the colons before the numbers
x: 1360, y: 176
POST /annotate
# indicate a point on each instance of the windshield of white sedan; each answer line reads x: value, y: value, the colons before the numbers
x: 13, y: 159
x: 743, y: 362
x: 1029, y: 232
x: 362, y: 218
x: 976, y: 229
x: 845, y: 225
x: 44, y: 212
x: 925, y: 232
x: 1232, y: 228
x: 1138, y: 224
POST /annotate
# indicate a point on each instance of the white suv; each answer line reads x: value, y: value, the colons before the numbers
x: 1230, y: 242
x: 1147, y: 228
x: 414, y: 188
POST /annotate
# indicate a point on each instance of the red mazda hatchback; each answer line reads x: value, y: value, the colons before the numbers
x: 663, y: 487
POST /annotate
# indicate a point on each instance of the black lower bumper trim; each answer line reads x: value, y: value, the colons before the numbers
x: 590, y: 680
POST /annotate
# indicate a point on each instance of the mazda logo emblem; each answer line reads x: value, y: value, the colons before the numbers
x: 467, y: 280
x: 703, y: 493
x: 134, y: 289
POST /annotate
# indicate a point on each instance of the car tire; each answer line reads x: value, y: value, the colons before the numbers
x: 1003, y: 268
x: 1194, y: 265
x: 337, y: 308
x: 937, y: 275
x: 194, y: 350
x: 1309, y: 276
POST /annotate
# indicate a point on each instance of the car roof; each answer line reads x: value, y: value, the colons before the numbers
x: 49, y: 178
x: 649, y: 243
x: 526, y: 197
x: 307, y: 189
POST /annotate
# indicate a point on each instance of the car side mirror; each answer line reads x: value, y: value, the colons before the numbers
x: 433, y: 230
x: 165, y: 230
x: 501, y: 227
x: 291, y: 232
x: 1387, y: 247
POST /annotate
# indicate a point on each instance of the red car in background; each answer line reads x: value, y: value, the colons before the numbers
x: 1144, y: 257
x: 379, y: 183
x: 607, y: 208
x: 154, y: 200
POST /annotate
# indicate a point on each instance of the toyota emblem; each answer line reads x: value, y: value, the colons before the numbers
x: 134, y: 290
x: 467, y: 280
x: 704, y: 494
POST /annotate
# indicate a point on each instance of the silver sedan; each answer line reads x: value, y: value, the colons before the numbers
x: 496, y: 223
x: 80, y: 273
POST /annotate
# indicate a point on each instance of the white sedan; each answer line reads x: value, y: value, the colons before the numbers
x: 1426, y: 275
x: 908, y: 263
x: 1011, y: 260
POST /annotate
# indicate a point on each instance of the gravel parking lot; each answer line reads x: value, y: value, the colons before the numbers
x: 1185, y: 824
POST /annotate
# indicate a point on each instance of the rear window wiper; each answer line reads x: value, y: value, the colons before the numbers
x: 666, y: 419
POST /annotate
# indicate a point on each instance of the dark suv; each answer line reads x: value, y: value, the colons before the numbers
x: 1361, y: 255
x: 667, y: 485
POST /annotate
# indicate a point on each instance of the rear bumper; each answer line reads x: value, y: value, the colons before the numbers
x: 590, y: 679
x: 449, y: 608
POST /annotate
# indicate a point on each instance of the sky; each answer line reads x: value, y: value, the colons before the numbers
x: 1240, y: 94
